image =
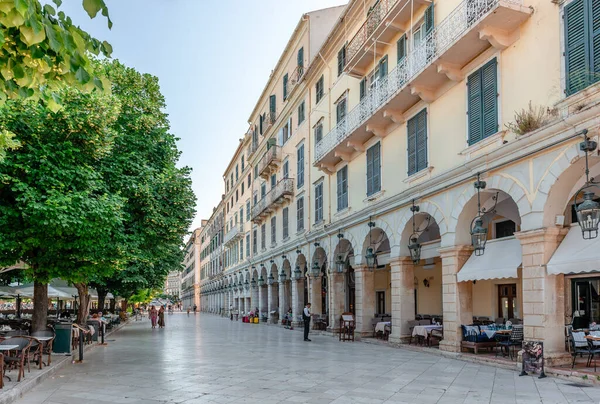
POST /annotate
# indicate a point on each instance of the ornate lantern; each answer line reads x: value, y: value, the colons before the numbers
x: 478, y: 231
x: 271, y: 279
x: 588, y: 211
x: 297, y: 272
x: 316, y: 269
x: 371, y: 256
x: 261, y: 281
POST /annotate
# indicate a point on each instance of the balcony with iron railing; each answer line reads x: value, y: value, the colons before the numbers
x: 269, y: 163
x: 465, y: 33
x: 294, y: 79
x: 234, y: 234
x: 281, y: 193
x: 384, y: 21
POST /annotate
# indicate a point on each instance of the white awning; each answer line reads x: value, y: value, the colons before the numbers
x: 575, y: 255
x: 500, y: 260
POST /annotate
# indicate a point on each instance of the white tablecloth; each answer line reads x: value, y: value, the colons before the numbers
x: 424, y: 330
x: 380, y: 326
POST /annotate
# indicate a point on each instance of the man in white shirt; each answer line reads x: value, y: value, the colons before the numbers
x: 306, y: 318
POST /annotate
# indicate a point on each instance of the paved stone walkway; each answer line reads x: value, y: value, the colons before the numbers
x: 207, y: 359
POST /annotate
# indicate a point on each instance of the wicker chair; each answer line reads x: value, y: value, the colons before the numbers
x: 46, y: 345
x: 16, y: 359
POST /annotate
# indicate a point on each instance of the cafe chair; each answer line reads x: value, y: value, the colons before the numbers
x: 15, y: 359
x: 46, y: 345
x: 579, y: 346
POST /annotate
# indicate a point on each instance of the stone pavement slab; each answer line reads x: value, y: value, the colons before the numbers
x: 208, y: 359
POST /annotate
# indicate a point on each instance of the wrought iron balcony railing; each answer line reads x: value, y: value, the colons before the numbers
x: 375, y: 17
x: 269, y: 161
x: 468, y: 14
x: 234, y: 233
x: 294, y: 79
x: 283, y: 190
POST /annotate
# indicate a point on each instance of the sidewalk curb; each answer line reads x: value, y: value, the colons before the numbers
x: 17, y: 392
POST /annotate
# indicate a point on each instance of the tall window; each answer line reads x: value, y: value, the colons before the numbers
x: 286, y: 230
x: 341, y: 61
x: 300, y: 168
x: 242, y: 214
x: 374, y: 169
x: 273, y: 230
x: 273, y: 180
x: 300, y: 214
x: 401, y: 48
x: 320, y: 89
x: 482, y: 102
x: 236, y: 172
x: 417, y: 142
x: 285, y: 86
x: 243, y: 188
x: 300, y: 62
x: 582, y: 39
x: 249, y: 180
x: 248, y: 211
x: 319, y: 202
x: 256, y: 171
x: 301, y: 113
x: 341, y: 109
x: 272, y: 108
x: 263, y: 190
x: 241, y: 250
x: 242, y: 164
x: 248, y: 244
x: 342, y: 188
x: 254, y: 241
x: 236, y: 196
x: 286, y: 169
x: 263, y: 236
x: 318, y: 132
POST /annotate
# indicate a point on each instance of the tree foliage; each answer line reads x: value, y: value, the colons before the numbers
x: 42, y: 51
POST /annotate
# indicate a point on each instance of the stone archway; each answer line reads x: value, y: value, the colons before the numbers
x: 285, y: 289
x: 273, y: 294
x: 319, y: 284
x: 342, y: 290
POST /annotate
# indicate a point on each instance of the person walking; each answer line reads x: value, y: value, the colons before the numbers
x: 195, y: 308
x: 153, y: 315
x: 231, y: 312
x: 306, y: 318
x: 161, y: 317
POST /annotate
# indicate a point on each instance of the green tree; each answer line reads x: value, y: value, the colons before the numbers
x: 56, y: 212
x: 142, y: 168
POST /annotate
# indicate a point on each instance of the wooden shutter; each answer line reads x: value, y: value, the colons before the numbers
x: 401, y: 48
x: 369, y: 171
x: 301, y: 57
x: 412, y: 145
x: 272, y: 107
x: 421, y: 139
x: 261, y: 118
x: 595, y: 41
x: 429, y: 19
x: 300, y: 168
x: 341, y: 61
x: 475, y: 118
x: 489, y: 98
x: 383, y: 67
x: 339, y: 189
x: 363, y: 88
x: 285, y: 86
x: 576, y: 46
x: 377, y: 168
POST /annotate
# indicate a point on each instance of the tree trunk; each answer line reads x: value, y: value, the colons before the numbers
x: 84, y: 302
x: 112, y: 305
x: 39, y: 320
x: 101, y: 298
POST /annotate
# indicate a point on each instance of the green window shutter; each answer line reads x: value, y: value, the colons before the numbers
x: 489, y: 83
x: 301, y: 57
x: 341, y: 61
x: 363, y: 88
x: 272, y: 108
x: 429, y: 19
x: 285, y: 86
x: 383, y: 67
x: 339, y: 190
x: 576, y: 46
x: 412, y: 145
x: 595, y: 41
x: 421, y: 136
x: 377, y: 168
x: 401, y: 48
x: 261, y: 118
x: 474, y: 104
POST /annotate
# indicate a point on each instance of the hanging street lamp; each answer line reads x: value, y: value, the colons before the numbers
x: 261, y: 281
x: 588, y: 211
x: 371, y: 256
x: 340, y: 264
x: 316, y: 269
x: 478, y: 231
x: 282, y: 277
x: 271, y: 279
x: 297, y: 272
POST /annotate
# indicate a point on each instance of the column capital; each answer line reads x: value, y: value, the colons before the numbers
x: 541, y: 235
x: 456, y: 250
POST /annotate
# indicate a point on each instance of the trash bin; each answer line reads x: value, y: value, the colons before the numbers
x: 62, y: 342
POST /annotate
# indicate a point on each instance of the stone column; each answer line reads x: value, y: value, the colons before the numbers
x: 261, y: 308
x: 282, y: 302
x: 295, y: 300
x: 271, y: 301
x: 365, y: 300
x: 315, y: 295
x: 255, y: 298
x: 543, y: 294
x: 457, y: 297
x: 337, y: 299
x: 403, y: 297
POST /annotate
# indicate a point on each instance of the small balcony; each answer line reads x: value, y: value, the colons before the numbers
x: 282, y: 192
x: 234, y: 234
x: 465, y: 33
x: 384, y: 21
x: 294, y: 79
x: 270, y: 162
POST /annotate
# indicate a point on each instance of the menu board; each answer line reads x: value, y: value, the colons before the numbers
x: 533, y: 358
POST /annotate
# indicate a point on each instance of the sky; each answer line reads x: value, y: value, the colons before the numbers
x: 212, y: 58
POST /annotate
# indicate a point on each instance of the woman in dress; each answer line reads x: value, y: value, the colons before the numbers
x: 153, y: 316
x: 161, y: 317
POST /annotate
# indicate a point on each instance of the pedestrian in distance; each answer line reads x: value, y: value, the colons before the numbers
x: 195, y: 308
x: 306, y: 318
x: 231, y: 312
x: 153, y: 316
x: 161, y: 317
